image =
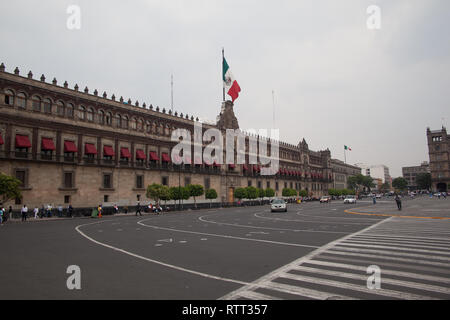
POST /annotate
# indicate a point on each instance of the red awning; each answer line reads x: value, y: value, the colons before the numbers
x: 47, y: 144
x: 245, y: 167
x: 89, y: 148
x: 1, y: 140
x: 22, y: 142
x: 108, y: 151
x: 231, y: 165
x: 69, y: 146
x: 216, y: 164
x: 165, y: 157
x: 154, y: 156
x: 140, y: 154
x: 125, y: 153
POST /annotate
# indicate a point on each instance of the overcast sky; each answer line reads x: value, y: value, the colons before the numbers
x: 336, y: 82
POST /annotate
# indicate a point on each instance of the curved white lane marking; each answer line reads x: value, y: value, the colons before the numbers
x: 308, y: 221
x: 201, y: 274
x: 229, y: 237
x: 265, y: 228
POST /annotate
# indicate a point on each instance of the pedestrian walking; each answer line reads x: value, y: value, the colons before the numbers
x: 116, y: 209
x: 398, y: 201
x: 42, y: 212
x: 24, y: 212
x: 36, y: 212
x: 374, y: 199
x: 60, y: 211
x: 1, y: 216
x: 9, y: 216
x: 70, y: 211
x: 138, y: 209
x: 100, y: 209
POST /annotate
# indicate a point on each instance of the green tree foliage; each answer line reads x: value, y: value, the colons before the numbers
x: 240, y: 193
x: 9, y: 188
x: 360, y: 182
x: 303, y: 193
x: 288, y: 192
x: 385, y: 187
x: 269, y: 193
x: 165, y: 194
x: 400, y: 183
x: 261, y: 193
x: 423, y: 181
x: 155, y: 191
x: 211, y: 194
x: 195, y: 190
x: 252, y: 192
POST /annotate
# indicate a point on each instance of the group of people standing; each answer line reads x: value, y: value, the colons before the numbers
x: 44, y: 211
x: 4, y: 215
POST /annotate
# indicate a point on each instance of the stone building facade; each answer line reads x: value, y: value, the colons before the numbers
x: 410, y: 174
x: 341, y: 172
x: 439, y: 153
x: 74, y: 146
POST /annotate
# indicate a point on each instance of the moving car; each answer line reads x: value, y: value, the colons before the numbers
x: 326, y: 199
x: 278, y: 205
x: 350, y: 199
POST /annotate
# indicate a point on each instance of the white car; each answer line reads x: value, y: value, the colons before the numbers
x: 278, y: 205
x: 350, y: 199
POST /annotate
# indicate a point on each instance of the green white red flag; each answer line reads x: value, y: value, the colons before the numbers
x: 230, y: 84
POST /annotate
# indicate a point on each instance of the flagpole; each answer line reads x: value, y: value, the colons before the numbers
x: 223, y: 57
x: 345, y: 157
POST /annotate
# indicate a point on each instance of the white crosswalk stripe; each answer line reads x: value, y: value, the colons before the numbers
x: 413, y: 256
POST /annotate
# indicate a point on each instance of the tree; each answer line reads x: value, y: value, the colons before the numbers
x: 423, y: 181
x: 303, y: 193
x: 400, y: 183
x: 210, y: 194
x: 165, y: 194
x: 195, y: 190
x: 240, y: 193
x: 252, y: 192
x: 385, y: 187
x: 261, y: 193
x: 155, y: 191
x: 269, y: 193
x: 179, y: 193
x: 9, y: 188
x: 288, y: 192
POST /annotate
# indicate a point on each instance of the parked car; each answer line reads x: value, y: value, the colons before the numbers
x: 326, y: 199
x: 278, y: 205
x: 350, y: 199
x: 378, y: 196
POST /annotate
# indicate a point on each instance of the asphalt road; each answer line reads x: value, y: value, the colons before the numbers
x: 314, y: 251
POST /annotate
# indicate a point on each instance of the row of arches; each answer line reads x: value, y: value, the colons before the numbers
x: 36, y: 103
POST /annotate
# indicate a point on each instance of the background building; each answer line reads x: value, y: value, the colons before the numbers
x: 438, y: 151
x: 410, y: 174
x: 341, y: 172
x: 376, y: 171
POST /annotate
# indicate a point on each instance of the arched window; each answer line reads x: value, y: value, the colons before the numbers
x: 118, y: 121
x: 47, y: 106
x: 69, y: 110
x: 60, y: 108
x: 133, y: 124
x: 101, y: 117
x: 82, y: 113
x: 148, y: 126
x: 9, y: 97
x: 36, y: 103
x: 140, y: 125
x: 108, y: 118
x: 21, y: 100
x: 90, y: 114
x: 125, y: 122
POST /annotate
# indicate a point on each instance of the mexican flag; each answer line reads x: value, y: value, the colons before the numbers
x: 347, y: 148
x: 231, y: 86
